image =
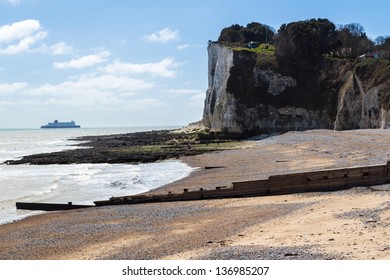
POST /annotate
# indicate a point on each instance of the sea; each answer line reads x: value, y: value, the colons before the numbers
x: 76, y: 183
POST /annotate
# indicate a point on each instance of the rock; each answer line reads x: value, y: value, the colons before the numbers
x: 290, y: 254
x: 126, y: 148
x: 248, y: 93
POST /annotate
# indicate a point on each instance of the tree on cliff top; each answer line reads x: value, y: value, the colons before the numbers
x: 254, y: 31
x: 353, y: 40
x: 383, y: 46
x: 306, y: 40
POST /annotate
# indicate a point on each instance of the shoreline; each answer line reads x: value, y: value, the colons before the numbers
x: 184, y: 170
x: 350, y: 224
x: 134, y: 148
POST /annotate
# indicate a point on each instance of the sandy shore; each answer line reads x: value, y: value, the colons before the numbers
x: 351, y: 224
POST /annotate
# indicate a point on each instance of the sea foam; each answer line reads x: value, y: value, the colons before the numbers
x: 77, y: 183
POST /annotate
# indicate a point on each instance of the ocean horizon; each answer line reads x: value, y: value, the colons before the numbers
x: 77, y: 183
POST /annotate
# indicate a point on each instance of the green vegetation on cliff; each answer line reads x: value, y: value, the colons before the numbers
x: 254, y: 31
x: 308, y: 39
x: 267, y: 49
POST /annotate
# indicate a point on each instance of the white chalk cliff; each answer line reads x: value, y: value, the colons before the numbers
x: 247, y: 96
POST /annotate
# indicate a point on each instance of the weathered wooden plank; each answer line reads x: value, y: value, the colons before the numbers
x: 328, y: 183
x: 49, y: 206
x: 288, y: 177
x: 324, y: 180
x: 367, y: 182
x: 332, y: 172
x: 250, y: 184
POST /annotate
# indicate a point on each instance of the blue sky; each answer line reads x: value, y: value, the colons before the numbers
x: 132, y: 63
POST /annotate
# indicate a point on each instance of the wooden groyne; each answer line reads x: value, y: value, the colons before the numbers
x: 49, y: 206
x: 325, y: 180
x: 316, y: 181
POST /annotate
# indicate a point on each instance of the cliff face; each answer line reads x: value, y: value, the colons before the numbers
x: 220, y: 106
x: 363, y: 96
x: 251, y: 93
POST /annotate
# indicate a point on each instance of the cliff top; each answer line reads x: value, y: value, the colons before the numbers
x: 309, y: 38
x: 267, y: 49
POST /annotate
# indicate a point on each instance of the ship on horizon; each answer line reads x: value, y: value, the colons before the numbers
x: 57, y: 124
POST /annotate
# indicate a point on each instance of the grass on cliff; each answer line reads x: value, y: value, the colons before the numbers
x: 261, y: 49
x: 265, y: 55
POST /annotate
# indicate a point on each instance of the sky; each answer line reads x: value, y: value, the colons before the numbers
x: 121, y: 63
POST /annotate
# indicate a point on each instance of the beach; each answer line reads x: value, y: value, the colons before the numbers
x: 348, y: 224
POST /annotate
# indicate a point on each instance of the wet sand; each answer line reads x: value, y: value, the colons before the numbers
x: 350, y: 224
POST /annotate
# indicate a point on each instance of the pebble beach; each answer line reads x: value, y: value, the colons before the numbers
x: 348, y: 224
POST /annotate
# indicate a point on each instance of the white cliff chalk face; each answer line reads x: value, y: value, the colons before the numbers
x: 219, y: 109
x: 349, y: 111
x: 371, y: 111
x: 359, y: 109
x: 385, y: 118
x: 245, y: 97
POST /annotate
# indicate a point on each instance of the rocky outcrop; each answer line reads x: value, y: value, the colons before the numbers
x: 252, y: 93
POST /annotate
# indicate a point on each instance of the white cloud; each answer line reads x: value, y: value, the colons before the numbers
x: 198, y: 98
x: 182, y: 47
x: 14, y: 2
x: 20, y: 36
x: 84, y: 61
x: 144, y: 104
x: 60, y: 48
x: 194, y: 97
x: 163, y: 68
x: 163, y: 36
x: 91, y: 85
x: 6, y: 103
x: 28, y: 36
x: 184, y: 91
x: 8, y: 88
x: 91, y: 92
x: 189, y: 46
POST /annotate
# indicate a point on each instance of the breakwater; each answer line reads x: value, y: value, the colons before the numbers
x: 315, y: 181
x: 324, y: 180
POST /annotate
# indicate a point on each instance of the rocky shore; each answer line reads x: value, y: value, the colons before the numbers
x: 138, y: 147
x: 349, y: 224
